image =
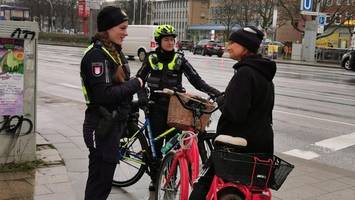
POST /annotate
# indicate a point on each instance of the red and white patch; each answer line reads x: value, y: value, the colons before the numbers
x: 97, y: 69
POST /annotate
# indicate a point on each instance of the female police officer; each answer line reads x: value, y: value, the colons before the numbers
x: 163, y: 68
x: 108, y: 92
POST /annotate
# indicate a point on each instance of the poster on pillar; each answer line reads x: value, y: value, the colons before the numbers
x: 11, y: 76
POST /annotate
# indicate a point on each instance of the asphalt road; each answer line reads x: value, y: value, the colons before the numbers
x: 314, y: 114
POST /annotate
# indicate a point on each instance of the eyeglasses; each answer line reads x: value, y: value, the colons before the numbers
x: 249, y: 30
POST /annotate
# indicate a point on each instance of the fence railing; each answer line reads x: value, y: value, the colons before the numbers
x: 332, y: 55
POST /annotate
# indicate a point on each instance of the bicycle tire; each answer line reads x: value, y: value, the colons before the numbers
x: 181, y: 186
x: 139, y: 163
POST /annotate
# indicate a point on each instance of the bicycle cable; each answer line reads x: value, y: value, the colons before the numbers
x: 186, y: 136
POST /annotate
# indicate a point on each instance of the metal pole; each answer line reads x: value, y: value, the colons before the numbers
x: 134, y: 12
x: 140, y: 11
x: 51, y: 15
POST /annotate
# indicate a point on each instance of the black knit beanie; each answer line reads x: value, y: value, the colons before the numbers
x: 109, y: 17
x: 249, y: 37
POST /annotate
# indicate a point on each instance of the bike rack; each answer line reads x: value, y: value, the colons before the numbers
x: 18, y: 43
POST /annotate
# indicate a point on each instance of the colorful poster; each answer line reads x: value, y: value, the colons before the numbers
x: 11, y: 76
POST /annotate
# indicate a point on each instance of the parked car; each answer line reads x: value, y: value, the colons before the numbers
x: 209, y: 47
x: 348, y: 60
x: 185, y: 45
x: 140, y: 41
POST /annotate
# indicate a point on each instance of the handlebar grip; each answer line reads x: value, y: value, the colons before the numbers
x: 168, y: 91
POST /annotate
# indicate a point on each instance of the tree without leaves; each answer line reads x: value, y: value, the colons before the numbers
x: 225, y: 13
x: 291, y: 9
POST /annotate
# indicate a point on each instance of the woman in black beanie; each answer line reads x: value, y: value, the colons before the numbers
x: 108, y: 91
x: 248, y: 101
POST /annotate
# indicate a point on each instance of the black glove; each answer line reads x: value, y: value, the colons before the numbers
x: 215, y: 94
x: 220, y: 99
x: 142, y: 97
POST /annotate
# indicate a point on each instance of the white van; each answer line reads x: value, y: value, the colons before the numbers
x: 140, y: 41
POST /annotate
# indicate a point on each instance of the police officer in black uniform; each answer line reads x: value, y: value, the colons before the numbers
x: 108, y: 91
x: 163, y: 68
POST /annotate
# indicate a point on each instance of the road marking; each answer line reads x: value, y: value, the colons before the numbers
x: 313, y: 94
x: 317, y: 118
x: 70, y: 85
x: 307, y: 155
x: 338, y: 143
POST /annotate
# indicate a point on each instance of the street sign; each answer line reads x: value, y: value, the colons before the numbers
x: 307, y: 5
x: 322, y: 19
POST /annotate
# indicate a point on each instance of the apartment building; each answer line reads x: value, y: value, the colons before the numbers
x: 180, y: 13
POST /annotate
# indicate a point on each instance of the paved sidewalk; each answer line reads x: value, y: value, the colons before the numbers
x: 48, y: 182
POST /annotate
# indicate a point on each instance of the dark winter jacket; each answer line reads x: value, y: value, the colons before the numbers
x: 248, y: 104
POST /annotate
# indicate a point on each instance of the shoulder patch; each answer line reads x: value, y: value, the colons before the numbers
x: 97, y: 69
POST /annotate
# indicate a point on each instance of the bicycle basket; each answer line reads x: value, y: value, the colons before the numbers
x: 182, y: 118
x: 281, y: 169
x: 246, y: 169
x: 254, y: 170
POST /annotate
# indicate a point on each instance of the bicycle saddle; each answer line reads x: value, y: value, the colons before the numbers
x: 231, y: 141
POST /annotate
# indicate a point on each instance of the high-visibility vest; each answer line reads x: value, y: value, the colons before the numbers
x: 156, y: 65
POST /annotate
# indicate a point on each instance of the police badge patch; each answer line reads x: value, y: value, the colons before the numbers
x: 97, y: 69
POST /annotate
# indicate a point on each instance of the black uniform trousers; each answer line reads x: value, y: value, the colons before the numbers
x: 158, y: 113
x: 203, y: 184
x: 102, y: 163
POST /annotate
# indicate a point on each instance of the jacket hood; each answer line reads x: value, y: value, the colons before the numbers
x: 263, y: 65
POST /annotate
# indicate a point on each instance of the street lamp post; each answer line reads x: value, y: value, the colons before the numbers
x: 51, y: 16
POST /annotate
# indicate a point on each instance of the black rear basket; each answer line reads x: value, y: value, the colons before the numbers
x: 254, y: 170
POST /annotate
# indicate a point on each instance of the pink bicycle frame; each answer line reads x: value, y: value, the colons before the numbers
x: 249, y: 192
x: 186, y: 157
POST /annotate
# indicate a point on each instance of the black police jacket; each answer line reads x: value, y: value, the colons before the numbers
x: 98, y: 73
x: 248, y: 104
x: 165, y: 78
x: 98, y: 76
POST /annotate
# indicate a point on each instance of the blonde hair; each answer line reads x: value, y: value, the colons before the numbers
x: 110, y: 46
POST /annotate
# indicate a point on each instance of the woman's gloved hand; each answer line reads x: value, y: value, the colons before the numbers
x: 142, y: 97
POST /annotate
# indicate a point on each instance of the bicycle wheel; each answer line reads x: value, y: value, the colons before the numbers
x: 173, y: 183
x: 131, y: 166
x: 229, y: 193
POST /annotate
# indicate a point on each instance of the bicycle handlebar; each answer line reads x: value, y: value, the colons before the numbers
x: 180, y: 94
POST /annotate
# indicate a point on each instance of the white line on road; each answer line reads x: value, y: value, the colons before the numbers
x: 69, y: 85
x: 337, y: 143
x: 317, y: 118
x: 307, y: 155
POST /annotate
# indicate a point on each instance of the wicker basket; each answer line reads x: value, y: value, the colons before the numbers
x: 182, y: 118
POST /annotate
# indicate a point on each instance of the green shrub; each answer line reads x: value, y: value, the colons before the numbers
x: 63, y: 38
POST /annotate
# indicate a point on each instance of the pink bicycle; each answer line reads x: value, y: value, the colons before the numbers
x: 240, y: 176
x: 180, y: 166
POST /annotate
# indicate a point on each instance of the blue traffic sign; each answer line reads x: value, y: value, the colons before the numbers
x: 307, y: 5
x: 322, y: 20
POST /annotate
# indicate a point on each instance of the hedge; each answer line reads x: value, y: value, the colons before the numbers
x: 62, y: 38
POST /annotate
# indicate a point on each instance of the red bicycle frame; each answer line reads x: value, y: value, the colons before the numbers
x: 186, y: 157
x: 249, y: 193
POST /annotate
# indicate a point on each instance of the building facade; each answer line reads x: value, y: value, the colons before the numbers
x: 173, y: 12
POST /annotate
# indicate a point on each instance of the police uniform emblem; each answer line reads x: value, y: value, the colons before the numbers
x: 97, y: 69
